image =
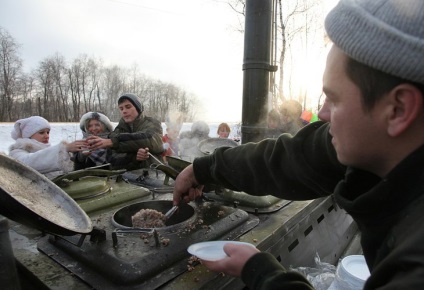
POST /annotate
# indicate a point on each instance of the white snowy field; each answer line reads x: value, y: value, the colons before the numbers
x: 71, y: 132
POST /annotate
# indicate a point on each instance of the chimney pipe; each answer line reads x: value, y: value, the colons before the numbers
x: 256, y: 69
x: 9, y: 278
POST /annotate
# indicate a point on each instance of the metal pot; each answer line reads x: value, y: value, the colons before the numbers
x: 185, y: 214
x: 30, y: 198
x: 209, y: 145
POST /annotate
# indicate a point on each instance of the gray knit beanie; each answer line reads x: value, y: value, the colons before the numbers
x: 133, y: 99
x: 387, y: 35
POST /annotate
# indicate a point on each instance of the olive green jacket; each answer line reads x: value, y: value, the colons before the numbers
x: 128, y: 138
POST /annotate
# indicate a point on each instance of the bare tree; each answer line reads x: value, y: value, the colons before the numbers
x: 60, y: 92
x: 239, y: 6
x: 295, y: 19
x: 60, y: 89
x: 94, y: 74
x: 45, y: 89
x: 11, y: 70
x: 78, y: 76
x: 288, y: 30
x: 112, y: 85
x: 137, y: 81
x: 25, y: 105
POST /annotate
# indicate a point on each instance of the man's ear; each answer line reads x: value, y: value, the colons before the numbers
x: 406, y: 103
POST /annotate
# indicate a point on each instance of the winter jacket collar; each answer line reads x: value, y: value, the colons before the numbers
x: 129, y: 127
x: 27, y: 144
x: 362, y: 193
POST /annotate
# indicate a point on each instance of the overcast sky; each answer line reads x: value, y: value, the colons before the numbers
x: 191, y: 43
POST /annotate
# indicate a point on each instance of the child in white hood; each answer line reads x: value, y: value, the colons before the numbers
x: 32, y: 147
x: 93, y: 124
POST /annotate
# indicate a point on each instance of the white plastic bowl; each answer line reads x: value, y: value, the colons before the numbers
x: 351, y: 274
x: 355, y: 268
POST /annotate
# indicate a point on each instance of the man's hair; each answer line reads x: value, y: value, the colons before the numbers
x: 372, y: 83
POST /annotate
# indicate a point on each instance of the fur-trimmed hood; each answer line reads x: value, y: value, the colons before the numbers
x: 97, y: 116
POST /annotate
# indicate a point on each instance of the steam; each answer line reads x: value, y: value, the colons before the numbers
x: 189, y: 140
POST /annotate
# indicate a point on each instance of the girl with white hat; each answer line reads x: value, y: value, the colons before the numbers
x: 32, y: 147
x: 93, y: 124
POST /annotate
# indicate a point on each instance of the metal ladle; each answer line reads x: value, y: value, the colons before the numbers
x: 155, y: 159
x: 170, y: 212
x: 173, y: 209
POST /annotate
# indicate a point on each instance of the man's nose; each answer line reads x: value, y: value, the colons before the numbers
x: 324, y: 113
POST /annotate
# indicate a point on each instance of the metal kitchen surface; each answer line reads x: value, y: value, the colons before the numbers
x: 97, y: 247
x: 293, y: 234
x: 144, y: 259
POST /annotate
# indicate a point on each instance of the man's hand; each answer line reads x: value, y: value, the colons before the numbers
x: 142, y: 154
x: 95, y: 142
x: 234, y: 263
x: 186, y: 186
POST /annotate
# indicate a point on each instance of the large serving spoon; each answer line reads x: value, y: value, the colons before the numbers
x: 173, y: 174
x: 170, y: 212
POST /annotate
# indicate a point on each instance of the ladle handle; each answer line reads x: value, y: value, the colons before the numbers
x: 155, y: 159
x: 170, y: 212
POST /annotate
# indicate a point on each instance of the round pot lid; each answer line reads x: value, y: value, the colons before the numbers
x: 87, y: 187
x: 30, y: 198
x: 208, y: 146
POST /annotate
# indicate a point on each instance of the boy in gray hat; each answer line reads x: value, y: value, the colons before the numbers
x: 368, y: 150
x: 133, y: 138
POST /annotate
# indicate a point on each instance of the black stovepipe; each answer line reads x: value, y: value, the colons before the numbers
x: 8, y: 273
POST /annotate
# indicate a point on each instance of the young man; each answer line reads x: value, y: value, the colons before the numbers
x: 133, y: 138
x: 374, y: 114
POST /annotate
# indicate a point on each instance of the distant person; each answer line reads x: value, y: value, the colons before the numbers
x: 189, y: 140
x: 290, y: 112
x: 93, y: 124
x: 223, y: 130
x: 133, y: 138
x: 273, y: 124
x: 171, y: 140
x: 32, y: 147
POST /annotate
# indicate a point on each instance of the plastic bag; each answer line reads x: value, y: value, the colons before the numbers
x: 321, y: 276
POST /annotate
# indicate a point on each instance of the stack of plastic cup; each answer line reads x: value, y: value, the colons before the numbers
x: 351, y: 273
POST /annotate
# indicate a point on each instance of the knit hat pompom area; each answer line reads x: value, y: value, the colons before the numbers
x: 25, y: 128
x: 134, y: 99
x: 96, y: 116
x: 387, y: 35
